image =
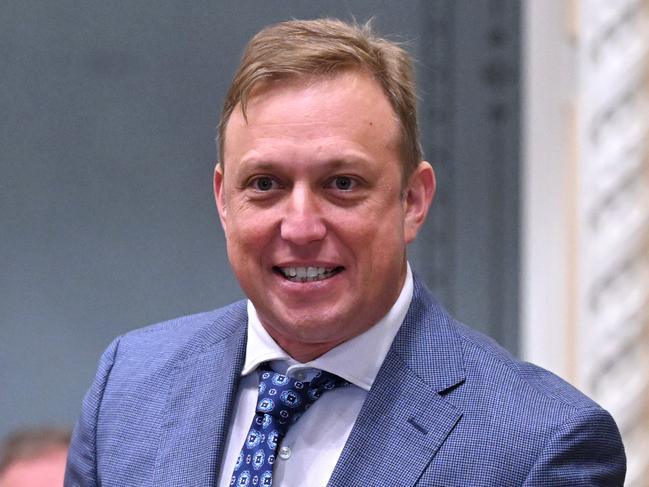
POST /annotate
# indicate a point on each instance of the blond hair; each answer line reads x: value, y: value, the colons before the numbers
x: 325, y: 47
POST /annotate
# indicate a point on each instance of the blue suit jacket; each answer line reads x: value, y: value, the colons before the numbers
x: 449, y: 407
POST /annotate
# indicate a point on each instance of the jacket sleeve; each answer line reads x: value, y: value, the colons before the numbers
x: 81, y: 470
x: 584, y: 451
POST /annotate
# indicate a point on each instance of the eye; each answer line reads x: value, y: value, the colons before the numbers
x: 263, y: 183
x: 344, y: 183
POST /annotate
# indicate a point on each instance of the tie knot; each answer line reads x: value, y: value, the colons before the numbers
x: 286, y: 399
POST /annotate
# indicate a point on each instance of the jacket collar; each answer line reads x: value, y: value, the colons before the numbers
x: 428, y: 343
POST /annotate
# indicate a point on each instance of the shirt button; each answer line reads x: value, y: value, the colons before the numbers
x: 284, y: 453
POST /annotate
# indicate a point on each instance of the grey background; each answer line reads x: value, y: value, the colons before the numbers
x: 107, y: 221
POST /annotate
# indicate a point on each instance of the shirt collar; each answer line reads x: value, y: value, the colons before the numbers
x: 357, y: 360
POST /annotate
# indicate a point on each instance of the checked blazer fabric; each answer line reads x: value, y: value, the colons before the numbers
x: 280, y: 403
x: 449, y: 407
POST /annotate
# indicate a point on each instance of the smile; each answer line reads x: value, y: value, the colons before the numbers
x: 308, y: 274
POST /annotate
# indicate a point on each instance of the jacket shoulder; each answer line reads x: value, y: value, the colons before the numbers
x: 520, y: 424
x: 489, y: 364
x: 186, y: 335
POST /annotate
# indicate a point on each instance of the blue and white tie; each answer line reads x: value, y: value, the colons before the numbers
x: 280, y: 403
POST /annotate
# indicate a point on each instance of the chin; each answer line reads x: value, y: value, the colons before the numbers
x: 310, y: 328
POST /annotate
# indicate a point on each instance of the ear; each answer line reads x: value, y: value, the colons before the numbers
x: 219, y: 194
x: 419, y: 195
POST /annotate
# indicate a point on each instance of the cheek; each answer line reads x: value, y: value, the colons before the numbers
x: 375, y: 239
x: 250, y: 231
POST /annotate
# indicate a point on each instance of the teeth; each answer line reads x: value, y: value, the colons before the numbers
x: 307, y: 273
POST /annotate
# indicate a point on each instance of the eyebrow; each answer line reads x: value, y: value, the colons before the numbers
x: 337, y: 163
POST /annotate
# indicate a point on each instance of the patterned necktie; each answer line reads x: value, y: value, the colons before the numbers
x: 280, y: 403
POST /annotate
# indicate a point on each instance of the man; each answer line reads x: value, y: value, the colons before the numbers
x: 319, y: 188
x: 34, y: 458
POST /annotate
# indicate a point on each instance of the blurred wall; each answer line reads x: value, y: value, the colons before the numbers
x: 585, y: 275
x: 106, y: 211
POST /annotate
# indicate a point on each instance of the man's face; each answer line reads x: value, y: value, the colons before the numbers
x: 310, y: 198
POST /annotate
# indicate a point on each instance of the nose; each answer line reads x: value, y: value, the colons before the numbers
x: 302, y: 222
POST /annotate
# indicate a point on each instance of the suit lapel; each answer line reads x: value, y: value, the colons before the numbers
x: 405, y: 418
x: 197, y: 416
x: 399, y: 429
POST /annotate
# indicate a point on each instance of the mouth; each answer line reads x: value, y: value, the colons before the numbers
x: 307, y: 274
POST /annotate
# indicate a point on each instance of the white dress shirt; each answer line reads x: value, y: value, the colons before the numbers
x: 307, y: 455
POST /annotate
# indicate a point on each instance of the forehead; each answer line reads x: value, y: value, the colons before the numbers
x: 350, y: 105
